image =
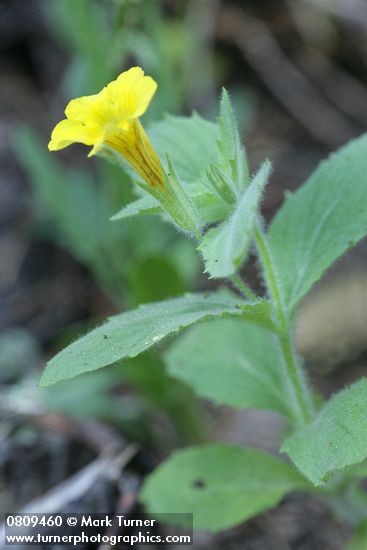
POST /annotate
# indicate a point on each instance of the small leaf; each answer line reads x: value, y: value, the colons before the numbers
x: 319, y: 222
x: 337, y: 438
x: 219, y: 184
x: 233, y: 156
x: 211, y: 209
x: 220, y: 484
x: 233, y: 363
x: 144, y: 205
x: 225, y: 247
x: 131, y: 333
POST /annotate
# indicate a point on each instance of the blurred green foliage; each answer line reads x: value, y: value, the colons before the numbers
x: 101, y: 38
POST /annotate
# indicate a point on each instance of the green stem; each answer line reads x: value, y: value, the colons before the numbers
x: 300, y: 391
x: 242, y: 287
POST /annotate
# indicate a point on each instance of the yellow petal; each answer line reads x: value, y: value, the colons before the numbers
x: 96, y: 147
x: 92, y: 109
x: 71, y: 131
x: 131, y: 93
x: 111, y: 117
x: 144, y: 90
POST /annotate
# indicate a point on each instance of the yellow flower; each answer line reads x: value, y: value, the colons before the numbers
x: 111, y: 119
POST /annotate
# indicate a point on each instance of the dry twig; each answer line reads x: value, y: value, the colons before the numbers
x: 106, y: 467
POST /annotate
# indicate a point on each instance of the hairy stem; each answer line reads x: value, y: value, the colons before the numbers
x: 301, y: 394
x: 242, y: 287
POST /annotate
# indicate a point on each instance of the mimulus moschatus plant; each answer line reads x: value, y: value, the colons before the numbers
x: 194, y: 174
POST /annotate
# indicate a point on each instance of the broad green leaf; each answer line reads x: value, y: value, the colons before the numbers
x: 337, y: 437
x: 231, y: 362
x: 319, y: 222
x: 220, y: 484
x: 144, y: 205
x: 225, y: 247
x: 233, y: 156
x: 190, y: 143
x: 131, y: 333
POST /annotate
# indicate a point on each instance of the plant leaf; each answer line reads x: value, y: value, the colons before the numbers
x: 131, y: 333
x: 219, y: 184
x: 231, y: 362
x: 220, y: 484
x: 189, y: 142
x: 144, y: 205
x: 233, y: 155
x: 211, y: 209
x: 225, y: 247
x: 336, y: 438
x: 319, y: 222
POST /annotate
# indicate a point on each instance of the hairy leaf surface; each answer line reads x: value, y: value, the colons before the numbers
x: 320, y: 221
x: 231, y: 362
x: 220, y: 484
x: 131, y: 333
x: 337, y: 438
